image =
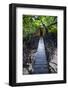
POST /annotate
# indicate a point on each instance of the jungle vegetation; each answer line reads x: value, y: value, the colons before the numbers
x: 32, y: 24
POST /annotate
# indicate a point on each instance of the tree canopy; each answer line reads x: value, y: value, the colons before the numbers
x: 31, y: 23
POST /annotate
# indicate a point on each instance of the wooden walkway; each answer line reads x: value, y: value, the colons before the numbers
x: 41, y: 64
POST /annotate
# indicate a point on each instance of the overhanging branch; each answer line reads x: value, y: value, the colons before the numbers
x: 52, y: 24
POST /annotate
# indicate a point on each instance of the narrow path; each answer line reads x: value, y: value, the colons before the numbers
x: 41, y: 65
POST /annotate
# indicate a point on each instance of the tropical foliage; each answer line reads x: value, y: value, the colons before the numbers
x: 32, y: 23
